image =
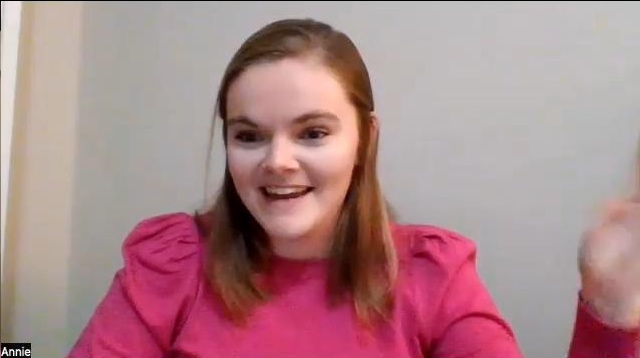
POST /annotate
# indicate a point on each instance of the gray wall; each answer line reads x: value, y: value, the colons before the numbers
x: 507, y: 122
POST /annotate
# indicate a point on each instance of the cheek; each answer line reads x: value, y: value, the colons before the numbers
x: 334, y: 165
x: 242, y: 164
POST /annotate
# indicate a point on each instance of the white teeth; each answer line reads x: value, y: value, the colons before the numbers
x: 284, y: 190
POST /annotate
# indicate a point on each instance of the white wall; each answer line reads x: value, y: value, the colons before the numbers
x: 507, y: 122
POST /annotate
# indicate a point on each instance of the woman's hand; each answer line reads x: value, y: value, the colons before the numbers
x: 609, y: 262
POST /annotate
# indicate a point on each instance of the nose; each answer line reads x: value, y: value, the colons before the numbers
x: 280, y: 157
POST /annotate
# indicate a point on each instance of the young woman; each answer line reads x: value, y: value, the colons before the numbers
x: 299, y: 257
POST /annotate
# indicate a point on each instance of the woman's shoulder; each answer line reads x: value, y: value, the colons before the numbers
x: 435, y: 247
x: 163, y: 246
x: 440, y: 283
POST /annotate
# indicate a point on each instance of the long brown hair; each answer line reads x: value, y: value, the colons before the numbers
x: 363, y: 259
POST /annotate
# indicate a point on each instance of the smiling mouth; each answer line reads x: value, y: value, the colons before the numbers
x: 285, y: 192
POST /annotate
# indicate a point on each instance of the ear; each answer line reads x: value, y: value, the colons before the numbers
x: 371, y: 125
x: 374, y: 125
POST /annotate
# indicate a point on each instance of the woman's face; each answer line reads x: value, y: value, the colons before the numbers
x: 292, y: 146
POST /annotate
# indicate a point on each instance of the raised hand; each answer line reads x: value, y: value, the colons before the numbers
x: 609, y: 262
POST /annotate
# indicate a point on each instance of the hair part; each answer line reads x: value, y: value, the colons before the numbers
x: 363, y: 257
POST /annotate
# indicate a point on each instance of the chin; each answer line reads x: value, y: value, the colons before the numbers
x: 286, y: 228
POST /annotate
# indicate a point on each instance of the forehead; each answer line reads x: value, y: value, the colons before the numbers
x: 279, y: 91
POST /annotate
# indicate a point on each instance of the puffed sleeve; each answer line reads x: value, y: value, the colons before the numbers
x: 594, y: 338
x: 459, y: 316
x: 150, y: 295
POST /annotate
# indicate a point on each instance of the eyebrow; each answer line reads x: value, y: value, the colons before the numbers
x: 305, y: 117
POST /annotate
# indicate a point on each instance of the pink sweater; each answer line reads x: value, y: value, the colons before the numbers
x: 159, y: 305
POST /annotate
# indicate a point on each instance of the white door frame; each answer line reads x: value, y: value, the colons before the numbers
x: 9, y: 48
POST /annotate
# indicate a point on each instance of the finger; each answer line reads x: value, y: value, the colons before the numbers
x: 628, y: 214
x: 614, y: 210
